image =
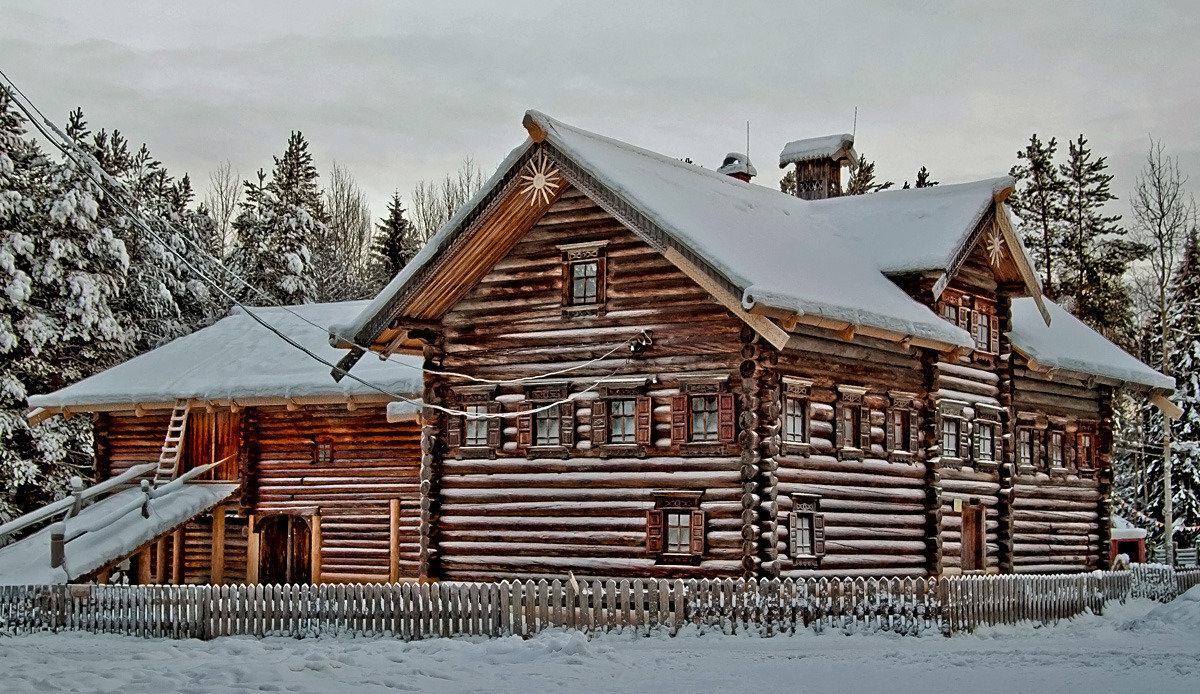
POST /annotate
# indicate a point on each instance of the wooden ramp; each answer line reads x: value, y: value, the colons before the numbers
x: 172, y: 449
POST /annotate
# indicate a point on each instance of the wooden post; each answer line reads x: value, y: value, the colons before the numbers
x: 144, y: 575
x: 217, y: 575
x: 393, y: 540
x: 160, y: 561
x: 252, y: 552
x: 314, y: 554
x: 177, y: 556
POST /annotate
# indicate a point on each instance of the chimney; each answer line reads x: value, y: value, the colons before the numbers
x: 738, y: 165
x: 819, y: 162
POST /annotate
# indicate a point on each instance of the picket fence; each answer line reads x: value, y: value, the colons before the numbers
x: 415, y: 611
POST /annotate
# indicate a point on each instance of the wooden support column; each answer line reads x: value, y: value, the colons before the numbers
x: 145, y: 576
x: 217, y: 563
x: 1007, y: 455
x: 1104, y: 478
x: 751, y: 468
x: 314, y: 554
x: 252, y: 552
x: 432, y: 449
x: 933, y: 478
x: 177, y: 556
x: 160, y: 561
x: 393, y: 540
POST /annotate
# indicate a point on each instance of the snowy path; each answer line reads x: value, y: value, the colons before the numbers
x: 1127, y: 650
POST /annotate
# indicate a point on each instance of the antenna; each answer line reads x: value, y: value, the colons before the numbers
x: 854, y: 131
x: 747, y: 141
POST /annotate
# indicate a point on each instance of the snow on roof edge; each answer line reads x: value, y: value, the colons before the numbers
x: 820, y: 147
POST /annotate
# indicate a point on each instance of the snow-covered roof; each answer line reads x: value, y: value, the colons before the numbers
x: 737, y: 163
x: 825, y: 147
x: 1122, y: 529
x: 238, y: 359
x: 1069, y: 344
x: 912, y: 230
x: 27, y: 562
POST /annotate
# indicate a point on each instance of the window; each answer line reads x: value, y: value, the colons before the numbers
x: 546, y: 427
x: 795, y: 420
x: 950, y: 313
x: 1056, y: 449
x: 323, y: 452
x: 898, y: 429
x: 949, y: 437
x: 982, y: 331
x: 985, y: 433
x: 585, y: 288
x: 1025, y: 446
x: 477, y: 425
x: 622, y: 421
x: 1085, y: 452
x: 675, y: 527
x: 806, y: 534
x: 704, y: 422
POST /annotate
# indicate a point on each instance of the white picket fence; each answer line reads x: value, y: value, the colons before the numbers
x: 415, y: 611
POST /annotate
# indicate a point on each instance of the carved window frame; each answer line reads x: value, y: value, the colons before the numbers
x: 1086, y: 457
x: 577, y: 253
x: 643, y: 421
x: 797, y: 392
x: 323, y: 450
x: 987, y: 417
x: 678, y: 504
x: 806, y: 507
x: 681, y: 415
x: 904, y: 407
x: 537, y: 397
x: 952, y: 420
x: 466, y: 397
x: 852, y: 428
x: 1059, y: 434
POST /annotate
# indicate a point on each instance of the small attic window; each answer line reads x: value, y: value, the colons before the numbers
x: 323, y: 450
x: 584, y: 275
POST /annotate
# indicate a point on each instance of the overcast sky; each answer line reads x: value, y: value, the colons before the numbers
x: 398, y: 92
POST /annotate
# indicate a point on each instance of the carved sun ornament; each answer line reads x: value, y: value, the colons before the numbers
x: 541, y: 179
x: 995, y: 248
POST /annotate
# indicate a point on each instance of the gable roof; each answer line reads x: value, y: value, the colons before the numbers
x: 1071, y: 345
x: 766, y: 246
x: 238, y: 359
x: 836, y: 147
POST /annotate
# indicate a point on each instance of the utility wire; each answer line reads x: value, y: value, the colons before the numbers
x: 92, y: 169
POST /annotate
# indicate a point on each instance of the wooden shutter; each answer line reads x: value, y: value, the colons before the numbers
x: 864, y: 428
x: 889, y: 430
x: 726, y: 417
x: 994, y: 330
x: 964, y: 319
x: 997, y: 443
x: 654, y: 531
x: 494, y: 425
x: 525, y: 425
x: 818, y: 534
x: 601, y: 277
x: 679, y: 416
x: 643, y: 431
x: 1039, y: 447
x: 566, y: 278
x: 964, y: 439
x: 599, y: 422
x: 914, y: 434
x: 792, y: 533
x: 566, y: 423
x: 976, y: 442
x: 697, y: 534
x: 840, y: 426
x: 454, y: 430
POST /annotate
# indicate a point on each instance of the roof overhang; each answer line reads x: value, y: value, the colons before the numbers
x: 1159, y: 397
x: 38, y: 415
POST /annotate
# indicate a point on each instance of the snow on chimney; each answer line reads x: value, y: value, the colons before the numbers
x: 738, y: 165
x: 819, y: 162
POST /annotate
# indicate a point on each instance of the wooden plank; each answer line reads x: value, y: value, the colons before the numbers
x: 393, y: 540
x: 217, y: 560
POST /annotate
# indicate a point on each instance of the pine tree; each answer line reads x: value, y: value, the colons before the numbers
x: 1185, y: 357
x: 787, y: 184
x: 278, y: 224
x: 395, y: 242
x: 1037, y: 201
x: 862, y: 179
x: 1093, y: 252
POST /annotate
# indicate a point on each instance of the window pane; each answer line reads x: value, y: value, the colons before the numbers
x: 983, y: 435
x: 621, y: 427
x: 804, y: 533
x: 545, y: 427
x: 949, y: 437
x: 476, y: 426
x: 679, y: 532
x: 794, y: 420
x: 704, y: 418
x: 584, y: 282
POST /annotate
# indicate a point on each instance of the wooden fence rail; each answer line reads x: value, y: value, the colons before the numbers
x: 415, y: 611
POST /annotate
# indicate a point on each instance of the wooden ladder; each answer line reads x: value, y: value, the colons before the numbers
x: 172, y: 449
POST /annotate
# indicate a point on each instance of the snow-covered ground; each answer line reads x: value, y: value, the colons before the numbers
x: 1136, y: 647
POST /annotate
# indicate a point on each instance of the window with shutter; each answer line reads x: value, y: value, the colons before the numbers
x: 949, y: 436
x: 1055, y: 450
x: 1025, y: 451
x: 546, y: 426
x: 476, y: 425
x: 679, y: 535
x: 795, y: 420
x: 643, y: 420
x: 1085, y: 451
x: 964, y: 318
x: 806, y: 531
x: 985, y: 442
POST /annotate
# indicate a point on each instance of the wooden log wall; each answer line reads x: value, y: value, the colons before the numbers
x: 874, y: 508
x: 1060, y: 517
x: 373, y: 462
x: 583, y: 508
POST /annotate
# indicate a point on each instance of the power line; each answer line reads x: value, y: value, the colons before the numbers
x: 92, y: 169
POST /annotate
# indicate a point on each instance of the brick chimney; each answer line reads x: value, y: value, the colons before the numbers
x: 819, y: 162
x: 738, y: 165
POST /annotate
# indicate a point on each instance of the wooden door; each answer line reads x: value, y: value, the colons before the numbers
x: 972, y: 537
x: 284, y: 550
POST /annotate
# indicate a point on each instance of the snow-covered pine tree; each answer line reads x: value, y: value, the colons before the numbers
x: 1184, y: 322
x: 278, y: 223
x: 862, y: 179
x: 787, y: 184
x: 395, y: 242
x: 1093, y: 251
x: 1037, y: 201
